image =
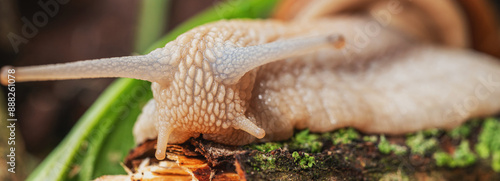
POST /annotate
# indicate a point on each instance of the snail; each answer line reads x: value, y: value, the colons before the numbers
x: 240, y: 81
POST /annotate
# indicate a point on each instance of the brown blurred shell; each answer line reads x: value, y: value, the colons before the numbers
x: 462, y: 23
x: 484, y: 29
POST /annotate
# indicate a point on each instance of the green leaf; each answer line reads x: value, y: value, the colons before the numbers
x: 152, y: 20
x: 103, y: 136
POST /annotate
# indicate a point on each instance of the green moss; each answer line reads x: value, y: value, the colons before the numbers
x: 462, y: 156
x: 305, y: 136
x: 385, y: 147
x: 489, y: 142
x: 489, y: 138
x: 431, y: 132
x: 305, y: 161
x: 306, y: 141
x: 344, y: 136
x: 482, y: 150
x: 419, y: 144
x: 488, y: 145
x: 372, y: 138
x: 295, y: 155
x: 266, y: 147
x: 462, y: 131
x: 263, y: 162
x: 442, y: 158
x: 495, y: 161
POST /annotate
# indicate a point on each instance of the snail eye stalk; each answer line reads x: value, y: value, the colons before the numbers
x: 236, y: 62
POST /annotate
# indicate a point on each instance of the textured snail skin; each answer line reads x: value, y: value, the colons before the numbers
x: 392, y: 86
x: 241, y: 81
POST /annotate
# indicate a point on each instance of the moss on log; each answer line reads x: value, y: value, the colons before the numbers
x: 469, y: 152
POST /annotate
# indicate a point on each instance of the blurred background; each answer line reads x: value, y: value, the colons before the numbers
x: 81, y: 29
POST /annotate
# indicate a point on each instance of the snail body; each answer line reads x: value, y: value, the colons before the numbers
x: 240, y: 81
